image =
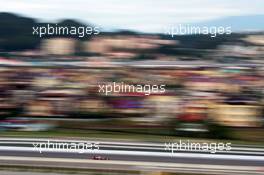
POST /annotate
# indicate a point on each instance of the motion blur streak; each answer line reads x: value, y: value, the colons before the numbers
x: 127, y: 156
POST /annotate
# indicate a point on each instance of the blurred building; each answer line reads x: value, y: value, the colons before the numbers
x: 123, y: 46
x: 255, y: 39
x: 58, y: 46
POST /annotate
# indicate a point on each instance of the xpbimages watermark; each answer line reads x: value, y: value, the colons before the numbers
x: 79, y: 147
x: 212, y: 31
x: 197, y: 146
x: 114, y: 87
x: 55, y: 29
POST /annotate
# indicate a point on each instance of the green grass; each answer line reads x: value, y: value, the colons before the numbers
x: 113, y: 135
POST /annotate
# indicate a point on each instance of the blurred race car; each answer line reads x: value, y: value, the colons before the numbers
x: 100, y: 158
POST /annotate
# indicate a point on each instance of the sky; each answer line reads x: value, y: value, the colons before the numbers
x: 139, y: 15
